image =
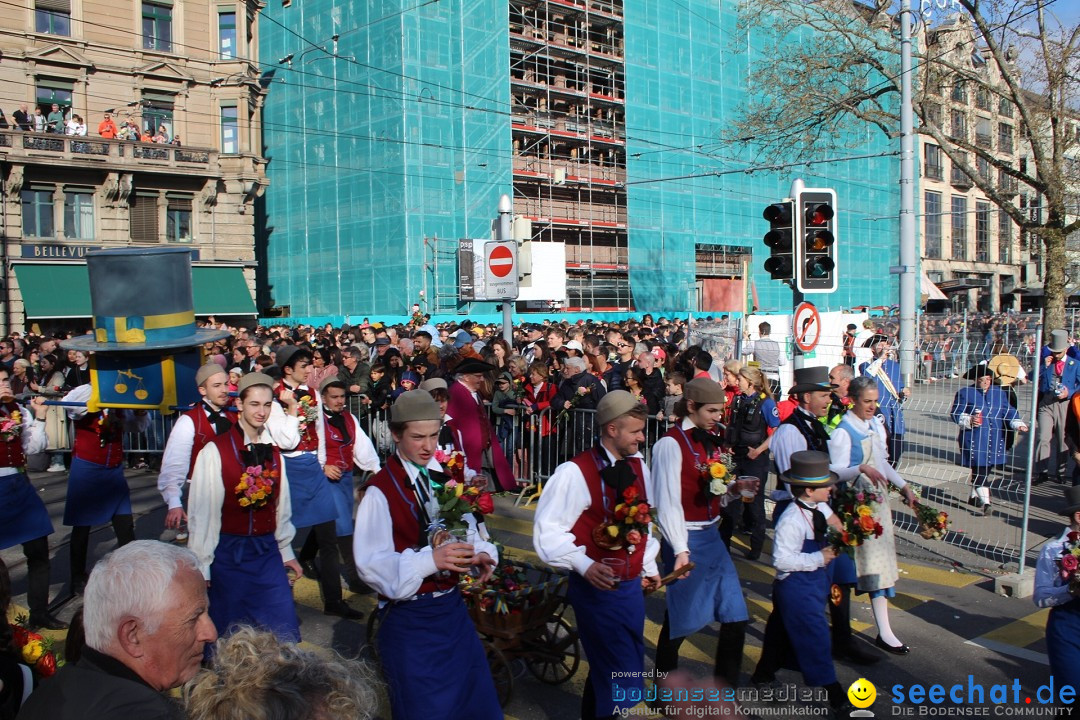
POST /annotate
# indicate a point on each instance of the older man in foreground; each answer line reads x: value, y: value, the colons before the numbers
x: 145, y: 614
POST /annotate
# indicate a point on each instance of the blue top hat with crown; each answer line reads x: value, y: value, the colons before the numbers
x: 141, y: 300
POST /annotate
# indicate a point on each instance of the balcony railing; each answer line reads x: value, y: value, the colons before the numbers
x: 960, y: 179
x: 78, y: 150
x: 935, y: 172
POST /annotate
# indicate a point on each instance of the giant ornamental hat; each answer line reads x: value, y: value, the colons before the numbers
x: 141, y: 300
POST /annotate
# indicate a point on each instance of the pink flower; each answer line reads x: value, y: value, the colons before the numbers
x: 1069, y: 562
x: 441, y: 456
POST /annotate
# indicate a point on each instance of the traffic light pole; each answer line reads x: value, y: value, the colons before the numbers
x: 797, y: 186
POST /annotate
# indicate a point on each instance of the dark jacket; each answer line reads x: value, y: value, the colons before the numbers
x: 97, y: 687
x: 568, y: 389
x: 653, y: 390
x: 360, y: 376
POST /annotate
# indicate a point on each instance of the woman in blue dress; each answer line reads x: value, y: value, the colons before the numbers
x: 983, y: 413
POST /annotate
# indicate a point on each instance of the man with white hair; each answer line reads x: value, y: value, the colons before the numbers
x: 146, y: 621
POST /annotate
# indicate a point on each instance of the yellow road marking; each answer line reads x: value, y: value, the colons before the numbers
x: 1022, y: 632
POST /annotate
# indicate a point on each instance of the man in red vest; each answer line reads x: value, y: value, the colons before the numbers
x: 97, y: 489
x: 190, y: 434
x: 432, y: 658
x: 578, y: 506
x: 23, y: 517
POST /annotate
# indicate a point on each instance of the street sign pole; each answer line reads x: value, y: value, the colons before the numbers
x: 798, y: 360
x: 505, y: 234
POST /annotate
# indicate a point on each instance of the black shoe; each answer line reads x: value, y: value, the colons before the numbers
x: 763, y: 679
x: 78, y: 585
x: 986, y: 509
x: 753, y: 555
x: 311, y: 571
x: 358, y: 586
x: 973, y: 500
x: 46, y: 621
x: 854, y: 654
x: 1042, y: 477
x: 901, y: 650
x: 344, y: 611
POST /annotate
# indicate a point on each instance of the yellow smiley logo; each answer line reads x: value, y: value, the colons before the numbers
x: 862, y: 693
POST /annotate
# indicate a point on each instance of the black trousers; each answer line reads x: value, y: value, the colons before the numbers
x: 344, y: 545
x: 752, y: 513
x: 729, y: 650
x: 37, y: 575
x: 325, y: 540
x: 124, y: 528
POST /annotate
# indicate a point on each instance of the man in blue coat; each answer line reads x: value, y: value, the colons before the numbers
x: 892, y: 392
x: 1059, y: 378
x: 984, y: 413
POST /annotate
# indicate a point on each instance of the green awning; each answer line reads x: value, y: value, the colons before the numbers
x: 62, y: 290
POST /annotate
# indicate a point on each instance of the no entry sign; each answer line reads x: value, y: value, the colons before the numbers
x: 500, y: 266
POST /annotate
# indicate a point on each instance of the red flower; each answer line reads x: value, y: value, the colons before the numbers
x: 485, y: 503
x: 620, y: 514
x: 646, y: 519
x: 47, y: 665
x: 1073, y: 536
x: 643, y: 508
x: 633, y: 537
x: 629, y: 495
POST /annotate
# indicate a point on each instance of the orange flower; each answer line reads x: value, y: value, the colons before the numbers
x: 866, y: 522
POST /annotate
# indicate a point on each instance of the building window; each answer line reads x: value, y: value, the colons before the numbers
x: 957, y: 125
x: 933, y: 115
x: 51, y: 92
x: 178, y: 218
x: 1005, y: 225
x: 157, y: 26
x: 37, y: 212
x: 144, y: 217
x: 933, y: 224
x: 79, y: 214
x: 227, y: 33
x: 982, y: 98
x: 230, y: 130
x: 959, y: 91
x: 982, y: 133
x: 53, y: 17
x: 959, y: 227
x: 1005, y: 108
x: 982, y: 167
x: 957, y: 176
x: 158, y: 111
x: 1005, y: 138
x: 982, y: 232
x: 935, y: 168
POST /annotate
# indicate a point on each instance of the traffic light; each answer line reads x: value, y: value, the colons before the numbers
x: 780, y: 240
x: 815, y: 267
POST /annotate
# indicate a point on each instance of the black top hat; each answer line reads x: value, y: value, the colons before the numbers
x: 1072, y: 501
x: 810, y: 468
x: 472, y: 365
x: 811, y: 379
x: 875, y: 339
x: 141, y: 299
x: 978, y: 371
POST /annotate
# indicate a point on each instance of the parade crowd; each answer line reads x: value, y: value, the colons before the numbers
x: 329, y: 452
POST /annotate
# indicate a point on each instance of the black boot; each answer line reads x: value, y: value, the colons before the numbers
x: 844, y: 645
x: 77, y: 552
x: 729, y: 652
x: 348, y: 567
x: 667, y: 648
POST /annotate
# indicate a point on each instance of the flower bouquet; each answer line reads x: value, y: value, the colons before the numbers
x: 35, y: 649
x: 256, y: 486
x: 309, y: 412
x: 855, y: 509
x: 932, y: 523
x: 1069, y: 562
x: 11, y: 427
x: 457, y: 497
x: 575, y: 400
x: 629, y: 525
x: 716, y: 473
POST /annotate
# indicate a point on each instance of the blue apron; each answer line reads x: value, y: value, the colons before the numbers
x: 309, y: 491
x: 248, y: 585
x: 611, y: 624
x: 434, y: 662
x: 712, y: 592
x: 342, y: 492
x: 1063, y: 643
x: 23, y: 516
x: 95, y: 493
x: 800, y: 598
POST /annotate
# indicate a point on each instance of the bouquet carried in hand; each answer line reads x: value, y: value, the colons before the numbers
x: 932, y: 523
x: 11, y: 427
x: 716, y: 473
x: 629, y: 525
x: 458, y: 496
x: 1069, y: 562
x: 309, y: 412
x: 855, y: 509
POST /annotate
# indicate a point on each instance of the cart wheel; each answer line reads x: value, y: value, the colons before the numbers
x: 501, y: 673
x: 374, y: 620
x: 555, y: 653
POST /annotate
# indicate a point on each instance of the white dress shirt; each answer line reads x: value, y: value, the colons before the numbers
x: 667, y: 465
x: 33, y: 438
x: 81, y: 394
x: 398, y: 575
x: 795, y: 526
x: 785, y: 441
x: 566, y: 495
x: 176, y: 460
x: 1049, y: 590
x: 206, y: 498
x: 364, y: 455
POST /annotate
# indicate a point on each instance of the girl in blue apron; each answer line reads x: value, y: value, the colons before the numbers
x: 1063, y: 624
x: 797, y: 633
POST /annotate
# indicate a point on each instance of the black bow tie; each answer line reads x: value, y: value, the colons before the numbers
x: 705, y: 438
x: 618, y: 476
x: 821, y: 526
x: 258, y: 453
x: 218, y: 419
